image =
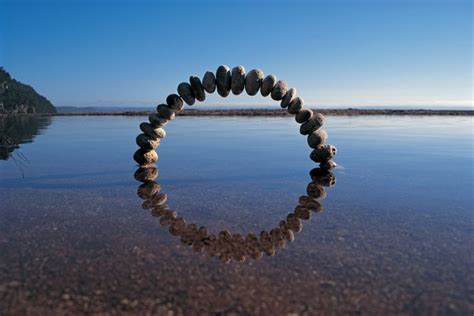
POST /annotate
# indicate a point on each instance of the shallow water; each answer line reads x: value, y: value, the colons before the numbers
x: 395, y: 235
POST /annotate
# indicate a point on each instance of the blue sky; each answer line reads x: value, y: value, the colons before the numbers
x: 335, y: 53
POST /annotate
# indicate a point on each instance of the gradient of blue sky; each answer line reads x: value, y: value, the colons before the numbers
x: 334, y: 52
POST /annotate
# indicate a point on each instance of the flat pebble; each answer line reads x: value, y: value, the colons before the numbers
x: 186, y: 93
x: 145, y: 157
x: 315, y: 191
x: 279, y: 90
x: 146, y: 142
x: 209, y: 82
x: 303, y: 115
x: 295, y: 105
x: 175, y: 102
x: 223, y: 80
x: 317, y: 138
x: 328, y: 165
x: 237, y: 80
x: 165, y: 111
x: 289, y: 96
x: 144, y: 174
x: 151, y: 131
x: 315, y: 122
x: 253, y: 81
x: 198, y: 89
x: 323, y: 153
x: 267, y: 85
x: 156, y: 120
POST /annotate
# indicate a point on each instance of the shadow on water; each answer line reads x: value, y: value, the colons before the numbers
x: 17, y: 130
x: 225, y: 245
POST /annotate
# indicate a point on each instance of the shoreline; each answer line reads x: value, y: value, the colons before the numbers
x: 268, y: 113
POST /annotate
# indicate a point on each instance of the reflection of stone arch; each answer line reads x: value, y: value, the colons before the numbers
x: 224, y: 245
x: 235, y: 81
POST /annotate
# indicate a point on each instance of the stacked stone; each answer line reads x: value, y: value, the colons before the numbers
x: 225, y: 81
x: 227, y: 246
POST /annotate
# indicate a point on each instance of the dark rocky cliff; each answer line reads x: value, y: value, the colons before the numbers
x: 19, y: 98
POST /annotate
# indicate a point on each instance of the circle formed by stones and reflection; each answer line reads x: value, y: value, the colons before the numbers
x: 225, y: 81
x: 225, y: 245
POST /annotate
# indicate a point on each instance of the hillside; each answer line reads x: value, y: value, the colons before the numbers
x: 19, y: 98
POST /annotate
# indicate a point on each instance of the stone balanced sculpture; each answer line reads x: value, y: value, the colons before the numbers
x: 236, y: 81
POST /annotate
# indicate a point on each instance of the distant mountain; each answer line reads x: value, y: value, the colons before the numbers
x: 19, y: 98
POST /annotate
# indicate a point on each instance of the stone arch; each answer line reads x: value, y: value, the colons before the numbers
x: 236, y: 81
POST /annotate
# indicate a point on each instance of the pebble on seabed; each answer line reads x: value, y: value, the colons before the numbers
x: 315, y: 122
x: 198, y: 89
x: 303, y: 115
x: 175, y: 102
x: 223, y: 80
x: 237, y: 84
x: 279, y: 90
x: 289, y: 96
x: 209, y: 82
x: 317, y: 138
x: 145, y: 157
x: 267, y: 85
x: 186, y: 93
x: 253, y: 81
x: 152, y: 131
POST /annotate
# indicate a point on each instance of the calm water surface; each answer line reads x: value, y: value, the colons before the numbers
x: 395, y: 235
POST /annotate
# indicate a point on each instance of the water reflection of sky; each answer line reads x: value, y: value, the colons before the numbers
x: 398, y: 221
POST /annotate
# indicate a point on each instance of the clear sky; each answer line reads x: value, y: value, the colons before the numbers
x: 134, y: 53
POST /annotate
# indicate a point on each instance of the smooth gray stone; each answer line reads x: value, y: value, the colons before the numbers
x: 198, y: 89
x: 317, y: 138
x: 175, y: 102
x: 303, y: 115
x: 209, y: 82
x: 146, y: 142
x: 279, y: 90
x: 165, y: 111
x: 237, y: 82
x: 253, y: 81
x: 156, y: 120
x: 315, y: 122
x: 289, y: 96
x: 145, y: 157
x: 148, y: 129
x: 323, y: 153
x: 186, y: 93
x: 295, y: 105
x: 153, y: 132
x: 223, y: 80
x: 328, y: 165
x: 267, y: 85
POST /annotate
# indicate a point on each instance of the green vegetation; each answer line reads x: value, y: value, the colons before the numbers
x: 19, y: 98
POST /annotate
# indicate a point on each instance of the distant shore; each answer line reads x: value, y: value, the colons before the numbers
x: 272, y: 112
